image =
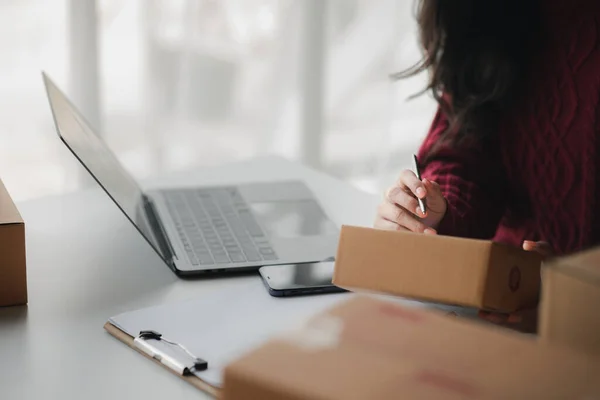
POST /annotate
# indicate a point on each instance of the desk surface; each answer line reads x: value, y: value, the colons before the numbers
x: 87, y: 263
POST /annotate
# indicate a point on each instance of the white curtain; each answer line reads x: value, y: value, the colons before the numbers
x: 189, y: 83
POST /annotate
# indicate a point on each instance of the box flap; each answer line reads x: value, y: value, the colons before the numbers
x: 569, y: 308
x: 365, y: 348
x: 584, y: 265
x: 8, y: 211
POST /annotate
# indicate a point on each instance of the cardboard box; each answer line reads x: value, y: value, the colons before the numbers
x: 444, y: 269
x: 372, y: 349
x: 13, y: 280
x: 570, y: 304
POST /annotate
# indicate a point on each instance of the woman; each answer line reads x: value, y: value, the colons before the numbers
x: 513, y: 153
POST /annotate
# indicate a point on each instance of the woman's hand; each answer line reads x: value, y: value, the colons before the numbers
x: 400, y: 208
x: 526, y: 318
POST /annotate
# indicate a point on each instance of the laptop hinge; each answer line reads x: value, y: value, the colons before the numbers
x: 159, y: 230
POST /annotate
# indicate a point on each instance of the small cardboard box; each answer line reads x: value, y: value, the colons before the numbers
x: 13, y: 280
x: 443, y: 269
x: 570, y: 303
x: 372, y: 349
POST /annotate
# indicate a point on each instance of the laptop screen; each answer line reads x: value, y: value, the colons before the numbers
x: 99, y: 161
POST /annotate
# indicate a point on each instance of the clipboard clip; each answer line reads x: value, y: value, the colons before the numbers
x: 182, y: 368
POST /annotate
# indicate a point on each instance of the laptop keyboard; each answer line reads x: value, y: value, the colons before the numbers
x: 216, y: 226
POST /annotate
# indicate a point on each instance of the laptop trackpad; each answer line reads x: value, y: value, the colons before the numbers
x: 293, y: 218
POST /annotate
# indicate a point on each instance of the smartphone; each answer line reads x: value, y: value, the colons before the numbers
x: 299, y: 279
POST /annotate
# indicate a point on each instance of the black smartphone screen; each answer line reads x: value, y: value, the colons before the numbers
x: 295, y: 279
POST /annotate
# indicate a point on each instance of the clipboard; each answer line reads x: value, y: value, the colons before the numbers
x: 218, y: 327
x: 191, y: 379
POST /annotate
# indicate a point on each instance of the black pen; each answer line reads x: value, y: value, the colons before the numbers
x: 418, y: 173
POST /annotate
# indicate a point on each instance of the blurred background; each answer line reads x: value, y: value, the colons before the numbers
x: 178, y: 84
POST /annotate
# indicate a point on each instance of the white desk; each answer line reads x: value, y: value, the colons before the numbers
x: 87, y: 263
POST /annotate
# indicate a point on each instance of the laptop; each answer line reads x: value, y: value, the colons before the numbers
x: 204, y: 229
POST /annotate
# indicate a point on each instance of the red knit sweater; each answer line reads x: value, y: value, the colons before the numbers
x: 547, y: 161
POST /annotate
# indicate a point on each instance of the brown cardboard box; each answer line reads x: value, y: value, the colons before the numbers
x: 372, y: 349
x: 570, y: 304
x: 444, y: 269
x: 13, y: 281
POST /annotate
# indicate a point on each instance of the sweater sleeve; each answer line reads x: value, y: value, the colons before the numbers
x: 471, y: 181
